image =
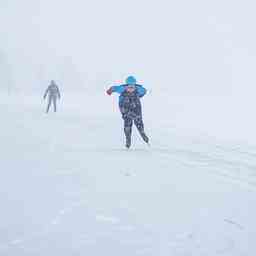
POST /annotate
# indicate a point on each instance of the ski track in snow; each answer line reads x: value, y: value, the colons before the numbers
x: 217, y: 161
x: 59, y: 218
x: 45, y: 230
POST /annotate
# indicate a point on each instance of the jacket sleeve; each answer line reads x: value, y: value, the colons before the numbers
x: 58, y: 90
x: 46, y: 92
x: 118, y: 89
x: 141, y: 91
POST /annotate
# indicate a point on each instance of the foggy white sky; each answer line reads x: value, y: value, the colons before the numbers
x: 186, y: 46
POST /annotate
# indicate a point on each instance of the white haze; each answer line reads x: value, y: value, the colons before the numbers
x: 205, y: 47
x: 68, y: 188
x: 201, y: 51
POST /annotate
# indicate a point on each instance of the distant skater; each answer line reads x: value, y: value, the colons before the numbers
x: 130, y: 107
x: 53, y: 93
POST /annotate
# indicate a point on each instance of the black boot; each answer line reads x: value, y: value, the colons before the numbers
x: 144, y: 137
x: 128, y: 132
x: 128, y: 143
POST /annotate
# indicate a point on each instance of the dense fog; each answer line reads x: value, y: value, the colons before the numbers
x: 187, y: 47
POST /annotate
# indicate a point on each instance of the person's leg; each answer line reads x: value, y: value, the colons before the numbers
x: 54, y: 103
x: 49, y: 104
x: 140, y: 126
x: 128, y: 130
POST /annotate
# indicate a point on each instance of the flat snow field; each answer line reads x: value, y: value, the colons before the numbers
x: 68, y: 187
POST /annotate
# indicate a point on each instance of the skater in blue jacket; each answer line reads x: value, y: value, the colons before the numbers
x: 130, y: 107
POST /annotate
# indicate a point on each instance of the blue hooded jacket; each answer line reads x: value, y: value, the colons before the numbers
x: 121, y: 88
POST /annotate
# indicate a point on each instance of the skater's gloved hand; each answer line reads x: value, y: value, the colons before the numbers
x: 109, y: 91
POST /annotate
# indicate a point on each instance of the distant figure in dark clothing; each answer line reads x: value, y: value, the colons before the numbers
x: 130, y: 107
x: 53, y: 93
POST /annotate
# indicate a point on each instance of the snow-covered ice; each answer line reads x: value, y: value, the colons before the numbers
x: 68, y: 186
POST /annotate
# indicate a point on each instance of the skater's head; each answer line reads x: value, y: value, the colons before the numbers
x: 130, y: 88
x: 52, y: 82
x: 131, y: 80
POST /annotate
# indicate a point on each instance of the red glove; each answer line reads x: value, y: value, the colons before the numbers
x: 109, y: 91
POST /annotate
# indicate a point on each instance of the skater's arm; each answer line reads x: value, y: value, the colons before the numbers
x: 46, y: 92
x: 118, y: 89
x: 141, y: 91
x: 58, y: 91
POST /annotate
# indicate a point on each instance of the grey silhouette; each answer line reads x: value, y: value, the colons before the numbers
x: 53, y: 94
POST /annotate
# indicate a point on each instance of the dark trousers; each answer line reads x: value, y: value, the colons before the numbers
x: 128, y: 122
x: 52, y: 100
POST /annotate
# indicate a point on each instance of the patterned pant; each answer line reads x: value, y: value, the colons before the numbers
x: 128, y: 122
